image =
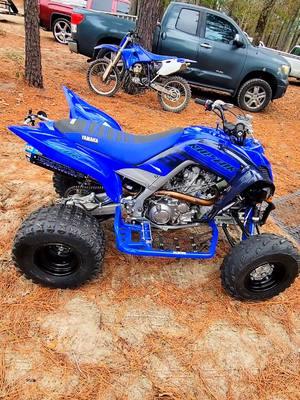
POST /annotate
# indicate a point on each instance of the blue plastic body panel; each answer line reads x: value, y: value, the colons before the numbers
x: 134, y: 53
x: 81, y: 109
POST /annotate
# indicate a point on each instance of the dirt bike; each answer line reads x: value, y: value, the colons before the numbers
x: 168, y: 193
x: 136, y: 69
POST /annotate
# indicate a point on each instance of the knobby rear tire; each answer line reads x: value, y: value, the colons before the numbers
x: 62, y: 183
x: 59, y: 247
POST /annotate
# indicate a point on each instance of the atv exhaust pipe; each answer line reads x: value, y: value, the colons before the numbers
x: 187, y: 198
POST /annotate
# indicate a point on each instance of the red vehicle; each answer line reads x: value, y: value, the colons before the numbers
x: 55, y: 15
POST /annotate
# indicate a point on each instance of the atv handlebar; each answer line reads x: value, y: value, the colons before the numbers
x: 31, y: 118
x: 238, y: 131
x: 201, y: 102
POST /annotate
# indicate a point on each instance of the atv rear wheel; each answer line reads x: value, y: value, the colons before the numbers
x: 62, y: 183
x: 66, y: 186
x: 260, y: 267
x: 59, y: 247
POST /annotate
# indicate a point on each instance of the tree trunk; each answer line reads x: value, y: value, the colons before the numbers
x: 133, y: 10
x: 262, y: 20
x: 147, y: 21
x: 33, y: 64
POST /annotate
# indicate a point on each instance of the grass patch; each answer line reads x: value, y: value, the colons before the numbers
x: 15, y: 56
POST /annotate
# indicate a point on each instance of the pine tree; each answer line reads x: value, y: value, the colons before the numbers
x: 148, y: 15
x: 33, y: 64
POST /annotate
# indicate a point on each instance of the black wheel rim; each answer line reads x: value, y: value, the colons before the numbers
x: 57, y: 259
x: 265, y: 277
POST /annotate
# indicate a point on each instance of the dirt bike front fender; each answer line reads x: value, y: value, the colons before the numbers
x: 112, y: 47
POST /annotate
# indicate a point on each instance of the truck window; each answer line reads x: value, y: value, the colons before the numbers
x: 219, y: 30
x: 122, y: 7
x: 187, y: 21
x: 103, y: 5
x: 296, y: 51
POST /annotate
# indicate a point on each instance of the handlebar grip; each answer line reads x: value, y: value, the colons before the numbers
x: 201, y: 102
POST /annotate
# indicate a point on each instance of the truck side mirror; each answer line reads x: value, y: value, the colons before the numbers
x: 237, y: 41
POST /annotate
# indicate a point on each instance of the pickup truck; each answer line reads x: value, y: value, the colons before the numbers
x: 55, y: 15
x: 293, y: 58
x: 225, y: 58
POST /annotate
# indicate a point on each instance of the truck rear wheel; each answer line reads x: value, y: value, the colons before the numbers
x: 254, y: 95
x: 59, y: 247
x: 260, y: 267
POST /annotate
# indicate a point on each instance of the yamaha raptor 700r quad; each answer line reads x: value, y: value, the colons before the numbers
x: 169, y: 194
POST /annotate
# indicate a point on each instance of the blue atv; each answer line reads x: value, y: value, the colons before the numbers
x: 168, y: 193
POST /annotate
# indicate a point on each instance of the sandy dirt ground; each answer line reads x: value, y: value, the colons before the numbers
x: 147, y: 328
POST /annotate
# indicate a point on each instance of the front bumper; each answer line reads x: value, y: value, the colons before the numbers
x: 73, y: 46
x: 281, y: 89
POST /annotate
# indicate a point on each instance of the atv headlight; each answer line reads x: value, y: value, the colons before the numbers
x: 284, y: 69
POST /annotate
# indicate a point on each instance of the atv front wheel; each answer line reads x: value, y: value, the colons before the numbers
x: 59, y: 247
x: 260, y: 267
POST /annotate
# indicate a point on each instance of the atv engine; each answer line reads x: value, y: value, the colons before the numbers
x: 168, y: 211
x: 192, y: 181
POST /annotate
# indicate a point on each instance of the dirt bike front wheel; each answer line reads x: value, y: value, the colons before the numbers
x: 97, y: 84
x: 179, y: 97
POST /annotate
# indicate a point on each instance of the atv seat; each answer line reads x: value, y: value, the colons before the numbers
x: 125, y: 147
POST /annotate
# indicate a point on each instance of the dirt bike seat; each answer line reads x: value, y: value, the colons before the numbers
x: 126, y: 147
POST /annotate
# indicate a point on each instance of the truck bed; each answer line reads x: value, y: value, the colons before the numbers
x: 93, y: 30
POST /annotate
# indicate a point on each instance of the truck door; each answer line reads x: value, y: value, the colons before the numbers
x: 220, y: 61
x: 179, y: 35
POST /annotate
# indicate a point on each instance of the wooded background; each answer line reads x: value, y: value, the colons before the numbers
x: 275, y: 22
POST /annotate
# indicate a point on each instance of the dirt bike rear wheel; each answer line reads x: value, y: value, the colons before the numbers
x: 181, y: 94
